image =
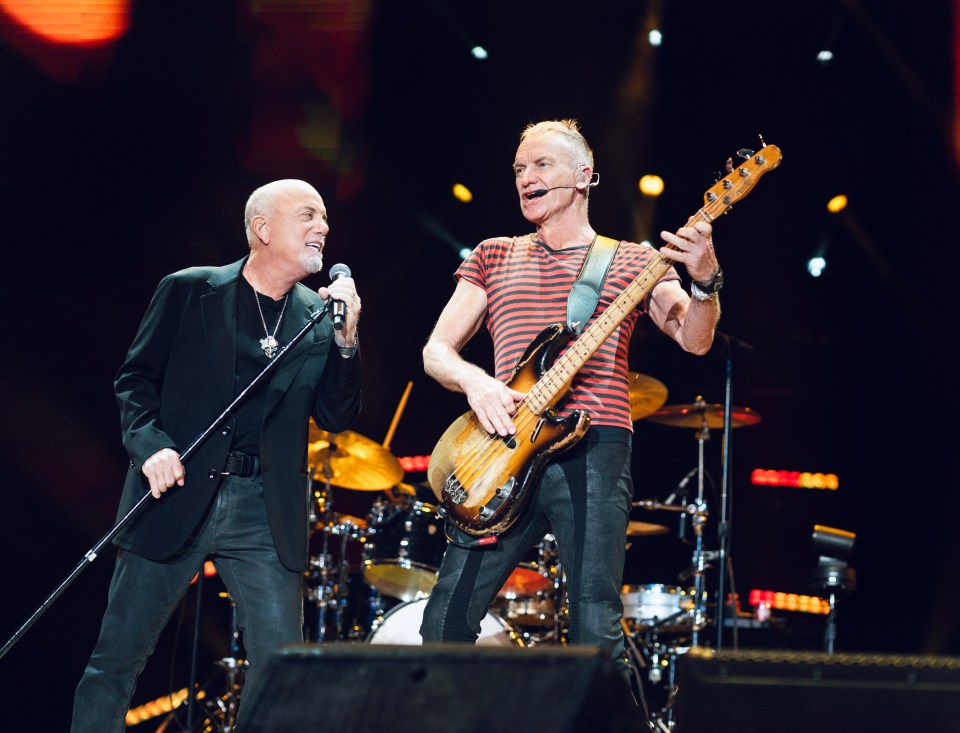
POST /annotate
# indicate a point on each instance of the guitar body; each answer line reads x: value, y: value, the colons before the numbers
x: 484, y: 481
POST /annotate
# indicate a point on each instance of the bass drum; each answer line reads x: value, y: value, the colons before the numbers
x: 401, y: 625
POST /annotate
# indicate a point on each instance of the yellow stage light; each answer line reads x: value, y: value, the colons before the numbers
x: 651, y: 185
x: 462, y: 193
x: 837, y: 204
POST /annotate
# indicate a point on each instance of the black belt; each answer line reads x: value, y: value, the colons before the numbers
x: 241, y: 464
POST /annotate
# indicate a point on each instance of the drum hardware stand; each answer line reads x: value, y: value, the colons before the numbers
x: 723, y: 526
x: 331, y: 588
x: 697, y: 510
x: 145, y: 500
x: 663, y: 720
x: 636, y: 662
x: 233, y: 666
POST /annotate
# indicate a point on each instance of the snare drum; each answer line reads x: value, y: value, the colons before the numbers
x: 647, y: 605
x: 401, y: 625
x: 404, y: 549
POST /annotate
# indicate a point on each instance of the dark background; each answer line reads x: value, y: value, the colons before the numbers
x: 123, y: 164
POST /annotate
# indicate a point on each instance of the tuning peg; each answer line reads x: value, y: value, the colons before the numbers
x: 745, y: 153
x: 729, y: 165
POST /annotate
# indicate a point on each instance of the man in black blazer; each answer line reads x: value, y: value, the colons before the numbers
x: 241, y: 499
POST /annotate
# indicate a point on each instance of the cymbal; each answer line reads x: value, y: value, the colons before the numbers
x: 354, y: 462
x: 694, y: 415
x: 636, y: 529
x: 646, y: 395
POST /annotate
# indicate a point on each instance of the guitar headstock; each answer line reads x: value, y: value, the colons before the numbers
x: 740, y: 180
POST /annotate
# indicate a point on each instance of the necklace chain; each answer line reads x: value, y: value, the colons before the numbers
x: 269, y: 343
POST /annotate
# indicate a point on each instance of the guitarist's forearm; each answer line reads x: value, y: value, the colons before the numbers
x: 698, y: 325
x: 446, y: 366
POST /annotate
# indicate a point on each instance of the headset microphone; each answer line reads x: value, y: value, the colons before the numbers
x: 594, y: 181
x: 544, y: 191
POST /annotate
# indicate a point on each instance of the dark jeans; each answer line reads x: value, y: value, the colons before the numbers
x: 584, y: 501
x: 143, y: 595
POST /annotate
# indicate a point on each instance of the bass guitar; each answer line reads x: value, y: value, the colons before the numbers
x: 482, y: 481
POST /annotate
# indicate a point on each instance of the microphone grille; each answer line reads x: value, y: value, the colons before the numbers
x: 339, y: 270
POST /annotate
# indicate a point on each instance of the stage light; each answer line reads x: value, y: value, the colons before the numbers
x: 655, y: 37
x: 837, y: 204
x: 479, y: 52
x: 825, y: 56
x: 462, y: 193
x: 465, y: 252
x: 816, y: 265
x: 80, y: 23
x: 651, y: 185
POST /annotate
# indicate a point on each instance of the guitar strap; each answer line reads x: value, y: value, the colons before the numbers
x: 585, y: 293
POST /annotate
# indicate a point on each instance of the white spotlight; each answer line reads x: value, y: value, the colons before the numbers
x: 479, y: 52
x: 655, y: 37
x: 825, y: 56
x: 465, y: 252
x: 816, y: 265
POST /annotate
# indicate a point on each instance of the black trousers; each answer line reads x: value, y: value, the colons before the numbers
x: 584, y: 500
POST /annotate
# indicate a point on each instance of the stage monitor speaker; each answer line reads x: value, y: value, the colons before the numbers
x: 799, y: 692
x: 440, y: 688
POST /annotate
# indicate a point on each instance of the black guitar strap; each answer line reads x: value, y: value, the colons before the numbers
x: 585, y: 293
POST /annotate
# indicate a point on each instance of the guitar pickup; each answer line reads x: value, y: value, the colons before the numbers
x: 499, y: 496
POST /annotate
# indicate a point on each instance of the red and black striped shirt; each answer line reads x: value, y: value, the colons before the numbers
x: 527, y: 284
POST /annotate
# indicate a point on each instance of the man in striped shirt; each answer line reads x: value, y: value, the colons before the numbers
x: 517, y: 286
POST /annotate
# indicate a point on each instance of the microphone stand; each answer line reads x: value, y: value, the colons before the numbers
x: 92, y: 553
x: 723, y: 529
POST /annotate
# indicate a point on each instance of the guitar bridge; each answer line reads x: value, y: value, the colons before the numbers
x: 454, y: 490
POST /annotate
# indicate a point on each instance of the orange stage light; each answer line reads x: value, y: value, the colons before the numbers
x: 75, y: 22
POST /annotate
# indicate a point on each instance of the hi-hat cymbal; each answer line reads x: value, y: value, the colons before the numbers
x: 646, y: 395
x: 352, y: 461
x: 698, y: 413
x: 637, y: 529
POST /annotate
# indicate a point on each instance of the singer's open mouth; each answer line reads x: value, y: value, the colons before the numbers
x: 316, y: 246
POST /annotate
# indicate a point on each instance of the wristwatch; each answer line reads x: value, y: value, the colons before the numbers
x: 709, y: 290
x: 347, y: 352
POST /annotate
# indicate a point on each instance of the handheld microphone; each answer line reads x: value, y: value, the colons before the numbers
x: 339, y: 308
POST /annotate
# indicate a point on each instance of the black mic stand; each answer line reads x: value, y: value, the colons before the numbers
x: 723, y: 528
x: 92, y: 553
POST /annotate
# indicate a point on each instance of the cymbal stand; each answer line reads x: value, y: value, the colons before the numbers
x: 321, y: 565
x: 233, y: 666
x: 550, y: 559
x: 698, y: 517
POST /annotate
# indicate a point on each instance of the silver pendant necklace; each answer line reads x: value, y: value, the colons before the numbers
x: 269, y: 342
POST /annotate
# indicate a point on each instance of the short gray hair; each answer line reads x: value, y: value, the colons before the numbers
x: 569, y: 130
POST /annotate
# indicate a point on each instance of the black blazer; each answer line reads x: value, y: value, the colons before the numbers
x: 178, y: 377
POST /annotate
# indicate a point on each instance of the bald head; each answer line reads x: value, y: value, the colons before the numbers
x: 263, y: 201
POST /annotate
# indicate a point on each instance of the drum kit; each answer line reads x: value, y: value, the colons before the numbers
x: 369, y: 577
